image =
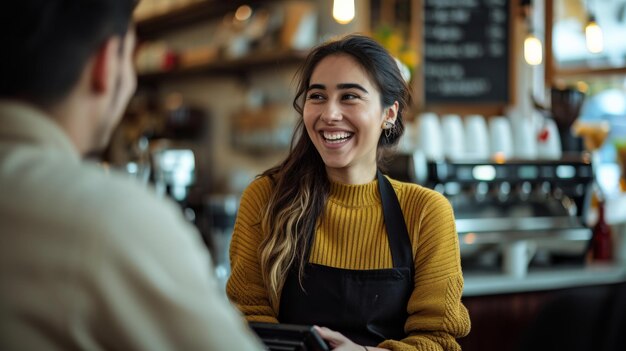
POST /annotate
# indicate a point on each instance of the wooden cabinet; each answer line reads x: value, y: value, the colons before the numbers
x: 498, y: 321
x: 582, y: 318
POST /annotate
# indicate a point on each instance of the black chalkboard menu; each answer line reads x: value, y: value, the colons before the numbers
x: 466, y: 53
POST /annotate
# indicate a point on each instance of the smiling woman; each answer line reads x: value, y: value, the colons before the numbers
x: 326, y: 239
x: 343, y: 117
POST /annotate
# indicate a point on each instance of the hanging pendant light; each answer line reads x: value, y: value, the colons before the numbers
x: 593, y: 36
x: 533, y: 50
x: 343, y: 11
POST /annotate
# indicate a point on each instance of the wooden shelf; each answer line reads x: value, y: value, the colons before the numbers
x: 229, y: 67
x: 577, y: 72
x: 187, y: 15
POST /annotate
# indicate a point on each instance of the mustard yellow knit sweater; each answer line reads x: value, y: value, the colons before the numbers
x: 353, y: 236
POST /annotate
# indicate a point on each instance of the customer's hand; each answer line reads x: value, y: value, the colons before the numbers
x: 338, y: 342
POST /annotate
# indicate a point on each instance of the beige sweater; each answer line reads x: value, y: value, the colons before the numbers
x: 436, y: 314
x: 94, y: 261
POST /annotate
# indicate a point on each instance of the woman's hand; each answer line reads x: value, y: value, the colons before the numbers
x: 338, y: 342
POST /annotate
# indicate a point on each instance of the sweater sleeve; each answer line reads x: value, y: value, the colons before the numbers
x: 150, y: 284
x: 436, y: 315
x: 245, y: 287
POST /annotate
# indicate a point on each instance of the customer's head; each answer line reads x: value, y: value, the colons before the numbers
x: 54, y: 47
x: 370, y: 63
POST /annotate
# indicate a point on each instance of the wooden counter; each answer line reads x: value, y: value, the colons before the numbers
x: 568, y: 304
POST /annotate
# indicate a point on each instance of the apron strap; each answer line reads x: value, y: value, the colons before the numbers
x: 397, y: 233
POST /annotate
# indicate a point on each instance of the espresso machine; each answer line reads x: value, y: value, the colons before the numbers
x: 497, y: 204
x: 174, y: 172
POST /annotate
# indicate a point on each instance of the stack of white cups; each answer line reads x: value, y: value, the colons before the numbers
x: 453, y: 136
x: 524, y: 139
x: 472, y: 138
x: 500, y: 137
x: 476, y: 138
x: 430, y: 136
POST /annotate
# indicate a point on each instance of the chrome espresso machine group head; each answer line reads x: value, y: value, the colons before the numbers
x: 501, y: 202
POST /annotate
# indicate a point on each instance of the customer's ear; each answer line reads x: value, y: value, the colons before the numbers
x: 104, y: 58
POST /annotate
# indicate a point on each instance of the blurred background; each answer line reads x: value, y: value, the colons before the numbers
x: 518, y: 118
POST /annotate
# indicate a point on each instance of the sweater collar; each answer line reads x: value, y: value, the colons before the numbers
x: 355, y: 195
x: 26, y: 124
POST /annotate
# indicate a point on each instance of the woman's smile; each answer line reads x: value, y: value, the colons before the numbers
x: 336, y: 137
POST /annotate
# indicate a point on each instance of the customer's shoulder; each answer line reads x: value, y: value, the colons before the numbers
x: 114, y: 202
x: 84, y: 203
x: 126, y: 195
x: 54, y: 177
x: 133, y: 212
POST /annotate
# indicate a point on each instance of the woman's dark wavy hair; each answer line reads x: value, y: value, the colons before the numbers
x: 301, y: 186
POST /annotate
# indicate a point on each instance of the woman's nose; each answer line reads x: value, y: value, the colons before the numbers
x: 331, y: 113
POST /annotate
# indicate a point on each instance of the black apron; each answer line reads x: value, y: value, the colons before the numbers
x: 367, y: 306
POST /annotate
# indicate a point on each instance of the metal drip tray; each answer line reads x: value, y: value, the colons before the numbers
x: 525, y: 224
x: 485, y: 229
x: 465, y: 209
x: 558, y: 240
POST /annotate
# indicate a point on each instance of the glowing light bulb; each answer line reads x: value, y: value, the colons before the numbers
x: 533, y: 50
x: 243, y: 13
x: 593, y: 35
x: 343, y: 11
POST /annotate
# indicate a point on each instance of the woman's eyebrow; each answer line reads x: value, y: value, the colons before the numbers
x: 317, y: 86
x: 341, y: 86
x: 351, y: 86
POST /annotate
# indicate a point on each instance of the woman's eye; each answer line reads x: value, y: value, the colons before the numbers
x: 349, y: 97
x: 315, y: 96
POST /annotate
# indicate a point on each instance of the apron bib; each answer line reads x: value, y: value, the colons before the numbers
x: 367, y: 306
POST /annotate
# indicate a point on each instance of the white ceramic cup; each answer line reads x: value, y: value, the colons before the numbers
x: 550, y: 148
x: 430, y: 138
x: 476, y: 138
x: 516, y: 257
x: 408, y: 142
x: 453, y: 137
x: 500, y: 137
x: 524, y: 139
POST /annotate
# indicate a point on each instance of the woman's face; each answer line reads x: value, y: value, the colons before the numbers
x: 343, y: 117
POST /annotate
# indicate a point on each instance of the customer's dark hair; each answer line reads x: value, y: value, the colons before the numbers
x: 48, y: 42
x: 301, y: 185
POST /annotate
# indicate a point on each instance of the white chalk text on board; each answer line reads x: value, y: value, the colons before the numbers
x: 466, y: 56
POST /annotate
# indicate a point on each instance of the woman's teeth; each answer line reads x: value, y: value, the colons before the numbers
x: 336, y: 137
